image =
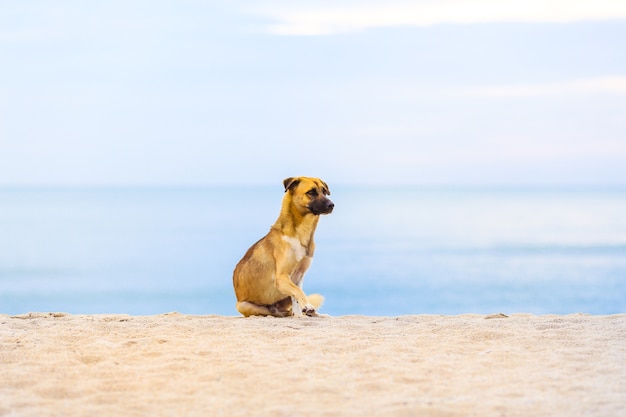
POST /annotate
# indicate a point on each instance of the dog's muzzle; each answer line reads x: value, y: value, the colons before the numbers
x: 324, y: 206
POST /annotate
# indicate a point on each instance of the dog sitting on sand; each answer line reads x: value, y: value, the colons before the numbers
x: 268, y: 279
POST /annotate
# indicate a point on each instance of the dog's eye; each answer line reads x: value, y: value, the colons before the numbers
x: 312, y: 193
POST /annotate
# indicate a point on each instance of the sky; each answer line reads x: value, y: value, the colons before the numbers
x: 446, y: 92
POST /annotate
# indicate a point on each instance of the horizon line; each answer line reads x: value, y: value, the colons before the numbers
x: 390, y: 185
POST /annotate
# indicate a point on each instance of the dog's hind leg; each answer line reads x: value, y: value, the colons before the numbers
x: 281, y: 308
x: 250, y: 309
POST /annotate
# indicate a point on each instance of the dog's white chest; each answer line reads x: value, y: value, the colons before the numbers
x: 299, y: 251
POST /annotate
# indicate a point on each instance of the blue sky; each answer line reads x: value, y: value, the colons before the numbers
x: 241, y: 92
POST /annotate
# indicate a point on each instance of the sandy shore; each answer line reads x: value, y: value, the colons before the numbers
x: 178, y: 365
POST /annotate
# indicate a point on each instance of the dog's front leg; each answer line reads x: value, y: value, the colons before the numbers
x: 298, y: 273
x: 295, y: 307
x: 296, y: 277
x: 284, y: 284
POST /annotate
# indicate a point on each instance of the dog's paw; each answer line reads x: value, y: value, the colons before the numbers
x: 309, y: 310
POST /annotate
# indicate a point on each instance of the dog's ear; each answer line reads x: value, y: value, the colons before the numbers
x: 325, y: 188
x: 290, y: 182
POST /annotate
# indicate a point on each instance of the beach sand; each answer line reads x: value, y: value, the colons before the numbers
x: 55, y: 364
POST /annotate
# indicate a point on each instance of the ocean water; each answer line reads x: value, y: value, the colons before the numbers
x: 384, y: 251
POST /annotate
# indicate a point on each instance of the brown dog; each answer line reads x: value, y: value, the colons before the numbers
x: 268, y: 279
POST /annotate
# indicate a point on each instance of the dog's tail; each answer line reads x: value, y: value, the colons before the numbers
x: 316, y: 299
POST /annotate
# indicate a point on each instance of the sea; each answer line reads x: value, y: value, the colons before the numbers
x: 384, y: 251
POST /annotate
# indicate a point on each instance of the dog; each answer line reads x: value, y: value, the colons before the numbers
x: 268, y: 279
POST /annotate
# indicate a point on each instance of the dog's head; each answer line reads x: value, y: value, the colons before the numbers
x: 309, y: 194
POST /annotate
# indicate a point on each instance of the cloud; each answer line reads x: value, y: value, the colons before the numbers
x: 327, y: 18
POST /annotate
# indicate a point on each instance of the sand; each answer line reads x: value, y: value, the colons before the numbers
x: 56, y: 364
